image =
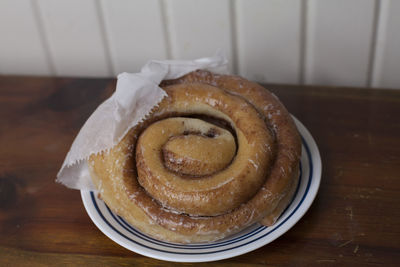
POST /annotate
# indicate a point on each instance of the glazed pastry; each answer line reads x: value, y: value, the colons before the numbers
x: 218, y: 154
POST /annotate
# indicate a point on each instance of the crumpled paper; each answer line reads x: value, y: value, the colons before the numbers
x: 135, y: 96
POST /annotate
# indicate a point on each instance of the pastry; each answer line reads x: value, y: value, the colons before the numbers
x: 218, y: 154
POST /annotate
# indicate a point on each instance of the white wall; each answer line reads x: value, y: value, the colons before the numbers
x: 330, y: 42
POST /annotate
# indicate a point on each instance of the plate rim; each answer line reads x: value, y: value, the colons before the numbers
x: 315, y: 177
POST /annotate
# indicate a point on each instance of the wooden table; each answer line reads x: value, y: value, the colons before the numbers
x: 355, y: 219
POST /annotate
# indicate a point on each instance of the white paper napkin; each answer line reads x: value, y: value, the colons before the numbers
x: 135, y: 96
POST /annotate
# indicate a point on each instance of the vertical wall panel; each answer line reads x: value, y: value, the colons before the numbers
x: 21, y: 47
x: 269, y: 35
x: 387, y: 61
x: 134, y: 32
x: 341, y: 42
x: 339, y: 36
x: 199, y: 28
x: 75, y: 37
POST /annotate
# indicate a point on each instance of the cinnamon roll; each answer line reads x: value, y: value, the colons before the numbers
x: 218, y: 154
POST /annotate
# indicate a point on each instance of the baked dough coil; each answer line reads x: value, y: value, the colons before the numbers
x: 218, y: 154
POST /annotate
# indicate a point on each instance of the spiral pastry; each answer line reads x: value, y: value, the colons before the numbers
x: 218, y: 154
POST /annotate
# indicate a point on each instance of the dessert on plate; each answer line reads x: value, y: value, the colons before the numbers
x: 218, y: 154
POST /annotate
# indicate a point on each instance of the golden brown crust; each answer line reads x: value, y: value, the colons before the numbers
x: 223, y: 191
x: 115, y: 172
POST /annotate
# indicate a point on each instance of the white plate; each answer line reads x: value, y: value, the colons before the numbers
x: 247, y: 240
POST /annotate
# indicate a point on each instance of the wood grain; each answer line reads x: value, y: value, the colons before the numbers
x: 354, y: 220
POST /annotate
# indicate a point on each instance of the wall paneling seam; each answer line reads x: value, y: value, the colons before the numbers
x: 308, y: 66
x: 105, y: 38
x: 166, y: 28
x: 234, y: 36
x: 43, y: 37
x: 373, y: 44
x: 303, y: 41
x: 380, y: 39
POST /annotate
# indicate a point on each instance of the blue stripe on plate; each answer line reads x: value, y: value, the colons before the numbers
x: 196, y: 246
x: 147, y: 238
x: 215, y: 251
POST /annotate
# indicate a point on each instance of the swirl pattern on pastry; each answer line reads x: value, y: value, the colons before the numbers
x: 218, y: 154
